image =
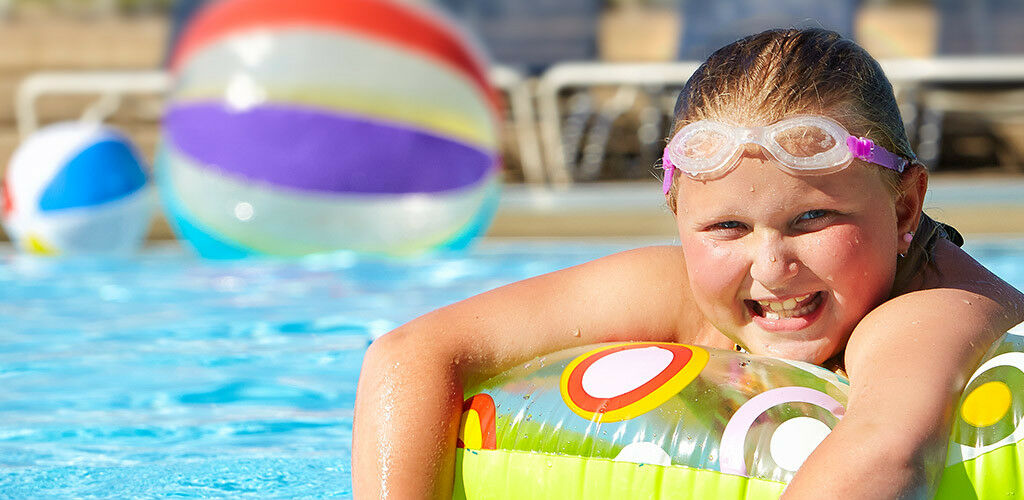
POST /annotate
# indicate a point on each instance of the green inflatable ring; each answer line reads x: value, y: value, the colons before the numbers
x: 659, y: 420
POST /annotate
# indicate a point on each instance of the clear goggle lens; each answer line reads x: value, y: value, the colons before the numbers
x: 805, y: 141
x: 800, y: 143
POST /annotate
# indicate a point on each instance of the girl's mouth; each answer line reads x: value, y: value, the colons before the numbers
x: 794, y: 307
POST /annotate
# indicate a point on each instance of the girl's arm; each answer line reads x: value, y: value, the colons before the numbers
x: 908, y: 362
x: 411, y: 386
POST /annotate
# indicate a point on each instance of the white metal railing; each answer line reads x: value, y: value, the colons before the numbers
x: 586, y: 74
x: 109, y: 85
x: 539, y: 136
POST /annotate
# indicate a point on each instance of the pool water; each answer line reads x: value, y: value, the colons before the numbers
x: 165, y: 375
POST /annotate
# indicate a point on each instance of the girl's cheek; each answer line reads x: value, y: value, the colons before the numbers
x: 847, y: 244
x: 852, y: 259
x: 713, y: 265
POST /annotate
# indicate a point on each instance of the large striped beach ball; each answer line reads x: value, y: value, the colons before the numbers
x: 76, y: 188
x: 309, y: 125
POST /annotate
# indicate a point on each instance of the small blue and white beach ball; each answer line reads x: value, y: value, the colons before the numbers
x: 76, y: 188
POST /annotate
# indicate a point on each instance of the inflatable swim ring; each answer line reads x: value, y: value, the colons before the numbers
x: 661, y: 420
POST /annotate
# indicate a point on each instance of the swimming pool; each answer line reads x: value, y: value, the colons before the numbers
x: 169, y: 376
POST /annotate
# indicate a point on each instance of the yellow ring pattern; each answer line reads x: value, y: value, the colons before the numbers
x: 656, y: 398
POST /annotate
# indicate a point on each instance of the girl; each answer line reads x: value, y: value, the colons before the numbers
x: 798, y: 203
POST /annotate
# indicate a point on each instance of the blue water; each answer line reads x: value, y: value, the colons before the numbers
x: 170, y: 376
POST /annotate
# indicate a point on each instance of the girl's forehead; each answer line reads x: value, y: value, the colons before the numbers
x: 740, y: 118
x: 760, y: 182
x: 762, y: 112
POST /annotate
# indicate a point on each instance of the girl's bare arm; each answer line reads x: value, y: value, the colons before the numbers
x: 908, y: 362
x: 411, y: 386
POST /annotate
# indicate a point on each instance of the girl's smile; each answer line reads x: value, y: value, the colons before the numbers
x: 790, y: 314
x: 787, y: 265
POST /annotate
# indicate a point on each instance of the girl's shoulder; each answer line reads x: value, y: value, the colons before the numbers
x: 652, y: 266
x: 654, y: 278
x: 656, y: 273
x: 954, y: 311
x: 662, y: 273
x: 957, y: 287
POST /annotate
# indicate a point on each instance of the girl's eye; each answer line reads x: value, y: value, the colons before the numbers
x: 815, y: 219
x: 729, y: 225
x: 813, y: 214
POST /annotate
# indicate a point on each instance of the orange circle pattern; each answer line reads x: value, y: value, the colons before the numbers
x: 687, y: 362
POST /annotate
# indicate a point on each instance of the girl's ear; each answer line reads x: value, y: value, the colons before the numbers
x: 913, y: 186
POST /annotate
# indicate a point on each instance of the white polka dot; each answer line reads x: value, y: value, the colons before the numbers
x: 644, y: 453
x: 624, y: 371
x: 795, y: 439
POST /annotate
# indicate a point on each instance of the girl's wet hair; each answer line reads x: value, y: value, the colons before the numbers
x: 777, y: 73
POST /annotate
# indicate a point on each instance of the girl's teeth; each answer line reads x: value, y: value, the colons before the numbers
x: 785, y: 305
x: 788, y: 308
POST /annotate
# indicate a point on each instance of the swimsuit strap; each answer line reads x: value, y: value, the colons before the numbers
x: 950, y: 233
x: 929, y: 232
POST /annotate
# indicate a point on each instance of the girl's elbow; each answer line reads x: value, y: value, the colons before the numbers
x: 907, y: 469
x: 871, y: 461
x: 410, y: 349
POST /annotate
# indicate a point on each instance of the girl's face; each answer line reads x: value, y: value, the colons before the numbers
x: 788, y: 265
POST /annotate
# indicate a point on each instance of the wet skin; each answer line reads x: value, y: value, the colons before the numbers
x: 760, y: 233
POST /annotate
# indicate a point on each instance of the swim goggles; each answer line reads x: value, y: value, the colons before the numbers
x: 804, y: 144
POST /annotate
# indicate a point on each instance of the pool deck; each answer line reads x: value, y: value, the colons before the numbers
x: 986, y: 206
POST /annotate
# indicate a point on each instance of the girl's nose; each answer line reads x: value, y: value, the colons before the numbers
x: 772, y: 264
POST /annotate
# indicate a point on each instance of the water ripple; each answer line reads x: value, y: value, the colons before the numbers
x: 167, y: 376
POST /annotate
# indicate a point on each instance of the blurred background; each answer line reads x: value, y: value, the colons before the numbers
x: 165, y: 375
x: 588, y: 90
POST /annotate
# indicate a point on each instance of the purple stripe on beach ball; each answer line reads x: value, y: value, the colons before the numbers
x: 320, y: 151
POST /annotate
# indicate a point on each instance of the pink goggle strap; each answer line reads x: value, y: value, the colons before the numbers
x: 866, y: 149
x: 670, y: 171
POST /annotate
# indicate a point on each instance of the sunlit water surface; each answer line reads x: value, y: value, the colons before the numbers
x: 166, y: 375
